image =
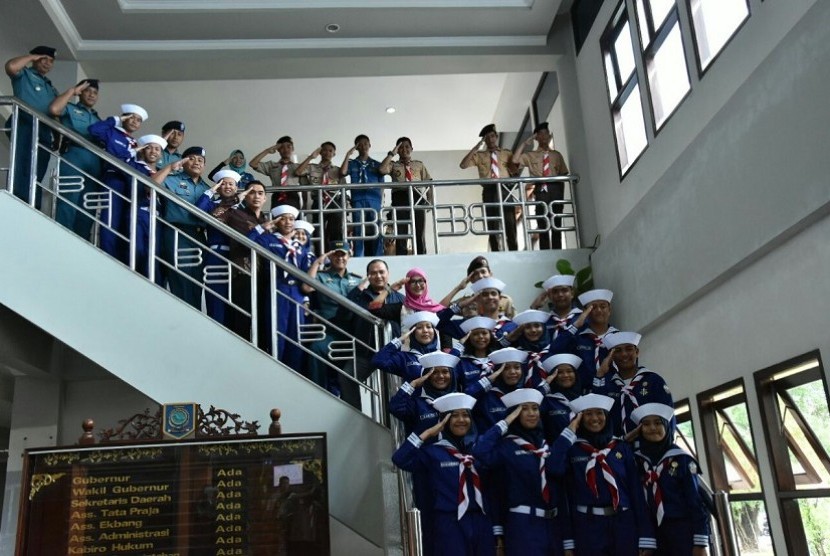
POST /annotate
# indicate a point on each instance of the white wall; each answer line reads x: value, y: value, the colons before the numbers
x: 715, y: 243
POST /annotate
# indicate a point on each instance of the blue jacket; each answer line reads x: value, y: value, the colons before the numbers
x: 678, y: 482
x: 645, y: 387
x: 569, y: 459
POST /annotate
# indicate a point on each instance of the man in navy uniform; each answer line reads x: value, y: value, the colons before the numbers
x: 338, y: 278
x: 78, y: 162
x: 184, y: 179
x: 30, y: 84
x: 173, y: 133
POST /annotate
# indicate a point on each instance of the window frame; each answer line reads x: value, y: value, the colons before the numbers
x: 784, y: 481
x: 686, y: 402
x: 701, y: 71
x: 657, y: 37
x: 620, y: 16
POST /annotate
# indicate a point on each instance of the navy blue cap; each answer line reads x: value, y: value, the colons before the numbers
x: 44, y: 51
x: 190, y: 151
x: 340, y: 246
x: 172, y: 124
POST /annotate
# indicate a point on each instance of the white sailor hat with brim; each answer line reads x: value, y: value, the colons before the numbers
x: 303, y: 225
x: 596, y: 295
x: 282, y: 210
x: 451, y: 402
x: 558, y: 280
x: 152, y: 139
x: 508, y: 355
x: 135, y: 109
x: 554, y: 361
x: 591, y: 401
x: 660, y: 409
x: 474, y: 323
x: 438, y: 359
x: 520, y: 396
x: 488, y: 284
x: 222, y: 174
x: 620, y: 339
x: 412, y: 319
x: 530, y: 316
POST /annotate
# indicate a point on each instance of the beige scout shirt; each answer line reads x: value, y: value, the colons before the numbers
x: 397, y: 171
x: 274, y: 171
x: 481, y: 159
x: 533, y: 161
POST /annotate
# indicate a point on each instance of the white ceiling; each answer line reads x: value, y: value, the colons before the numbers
x: 252, y: 70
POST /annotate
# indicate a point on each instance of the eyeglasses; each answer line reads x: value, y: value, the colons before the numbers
x: 417, y: 282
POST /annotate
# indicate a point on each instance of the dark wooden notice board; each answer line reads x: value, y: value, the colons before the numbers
x: 253, y: 496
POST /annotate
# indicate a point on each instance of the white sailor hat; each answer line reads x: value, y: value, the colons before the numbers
x: 591, y: 401
x: 508, y: 355
x: 222, y: 174
x: 621, y: 338
x: 554, y: 361
x: 488, y: 283
x: 280, y: 210
x: 303, y: 225
x: 135, y: 109
x: 531, y: 315
x: 156, y: 139
x: 520, y: 396
x: 559, y: 280
x: 438, y: 359
x: 451, y: 402
x: 412, y: 319
x: 659, y: 409
x: 478, y: 322
x: 596, y: 295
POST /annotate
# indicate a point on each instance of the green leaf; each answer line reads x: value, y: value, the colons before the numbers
x: 563, y: 266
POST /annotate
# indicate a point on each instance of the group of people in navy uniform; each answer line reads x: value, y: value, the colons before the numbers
x: 119, y: 136
x: 542, y: 433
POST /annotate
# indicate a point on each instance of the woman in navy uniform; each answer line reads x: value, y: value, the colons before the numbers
x: 413, y: 405
x: 560, y: 387
x: 460, y: 514
x: 479, y: 343
x: 276, y: 236
x: 421, y: 338
x: 116, y: 135
x: 608, y: 508
x: 530, y: 336
x: 223, y: 195
x: 535, y: 523
x: 669, y: 477
x: 490, y: 389
x: 148, y: 156
x: 630, y: 384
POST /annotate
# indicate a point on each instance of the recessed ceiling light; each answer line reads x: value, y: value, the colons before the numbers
x: 332, y: 27
x: 390, y: 110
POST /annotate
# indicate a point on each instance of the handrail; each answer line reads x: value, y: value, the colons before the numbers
x: 137, y: 181
x: 169, y: 197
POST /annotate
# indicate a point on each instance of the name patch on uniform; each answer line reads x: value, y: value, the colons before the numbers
x: 449, y: 464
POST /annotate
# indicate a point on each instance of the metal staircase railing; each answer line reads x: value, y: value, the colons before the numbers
x: 56, y: 184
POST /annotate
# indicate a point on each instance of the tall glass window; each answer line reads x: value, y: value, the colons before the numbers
x: 664, y: 56
x: 714, y: 23
x: 623, y: 90
x: 794, y: 402
x: 730, y: 451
